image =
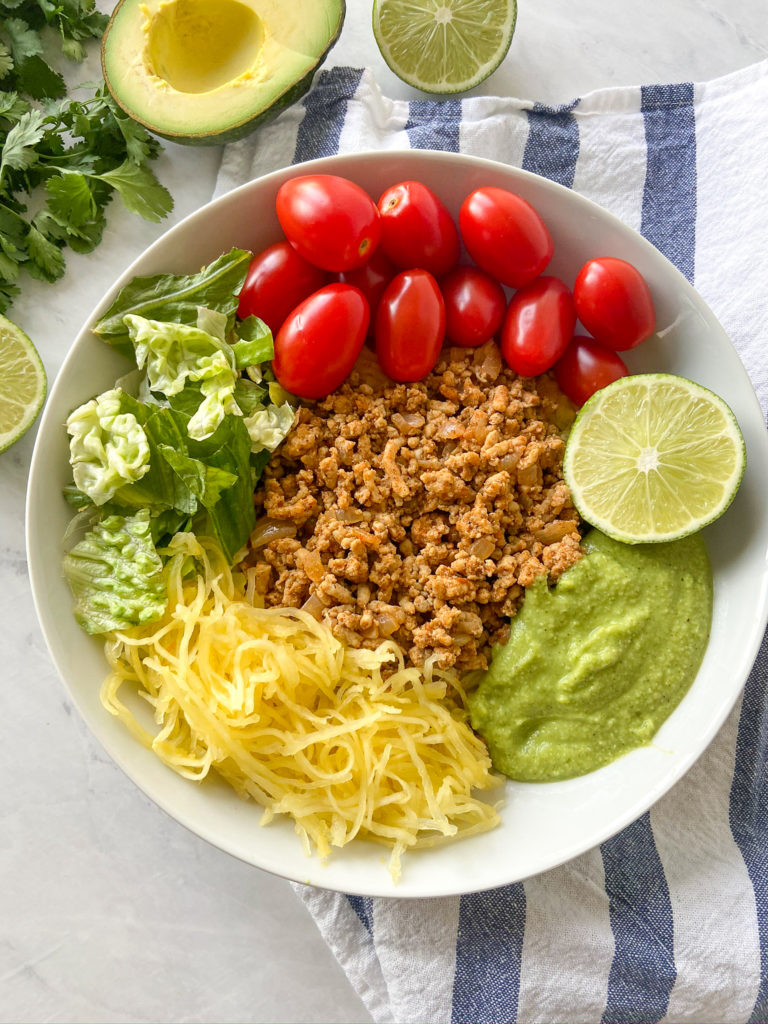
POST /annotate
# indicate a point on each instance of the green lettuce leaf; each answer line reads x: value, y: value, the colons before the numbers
x: 165, y: 524
x: 108, y: 446
x: 115, y: 575
x: 219, y: 400
x: 175, y: 353
x: 161, y: 488
x: 258, y: 462
x: 249, y: 396
x: 172, y: 353
x: 211, y: 479
x: 176, y: 297
x: 278, y: 395
x: 233, y: 517
x: 267, y: 427
x: 205, y: 481
x: 254, y: 344
x: 76, y: 498
x: 212, y: 322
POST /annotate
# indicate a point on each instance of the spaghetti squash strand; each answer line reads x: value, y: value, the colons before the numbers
x: 346, y: 742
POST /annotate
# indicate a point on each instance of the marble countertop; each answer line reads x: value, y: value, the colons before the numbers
x: 109, y: 910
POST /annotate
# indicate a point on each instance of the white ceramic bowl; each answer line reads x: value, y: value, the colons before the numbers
x: 542, y: 824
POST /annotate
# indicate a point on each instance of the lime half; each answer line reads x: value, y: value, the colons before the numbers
x: 444, y: 46
x: 22, y: 383
x: 653, y: 457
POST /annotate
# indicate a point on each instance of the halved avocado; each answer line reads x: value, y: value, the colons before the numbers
x: 211, y: 71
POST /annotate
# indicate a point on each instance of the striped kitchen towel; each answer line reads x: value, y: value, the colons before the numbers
x: 669, y: 919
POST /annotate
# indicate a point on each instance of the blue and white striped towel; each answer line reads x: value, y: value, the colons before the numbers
x: 669, y: 919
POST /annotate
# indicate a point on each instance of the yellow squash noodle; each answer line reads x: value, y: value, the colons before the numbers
x: 346, y: 742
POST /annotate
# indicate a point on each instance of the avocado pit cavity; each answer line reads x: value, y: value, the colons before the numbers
x: 197, y: 46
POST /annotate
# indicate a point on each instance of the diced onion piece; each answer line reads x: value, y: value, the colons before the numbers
x: 314, y: 606
x: 267, y: 529
x: 482, y: 548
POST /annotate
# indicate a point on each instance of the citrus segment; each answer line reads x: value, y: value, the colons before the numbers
x: 22, y: 383
x: 653, y: 457
x: 443, y: 46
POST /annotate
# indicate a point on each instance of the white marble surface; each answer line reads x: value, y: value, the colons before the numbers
x: 109, y: 910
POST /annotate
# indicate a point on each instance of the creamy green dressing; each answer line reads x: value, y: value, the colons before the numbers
x: 595, y: 664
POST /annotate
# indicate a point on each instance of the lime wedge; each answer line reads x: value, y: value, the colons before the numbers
x: 443, y: 46
x: 22, y: 383
x: 653, y: 457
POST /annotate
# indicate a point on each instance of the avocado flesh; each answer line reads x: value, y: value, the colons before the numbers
x: 209, y: 71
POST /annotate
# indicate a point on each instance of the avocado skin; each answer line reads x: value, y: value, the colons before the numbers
x: 246, y: 127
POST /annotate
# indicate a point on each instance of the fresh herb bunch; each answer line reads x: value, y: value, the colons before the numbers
x: 73, y: 154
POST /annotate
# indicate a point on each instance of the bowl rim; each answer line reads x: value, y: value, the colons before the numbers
x: 334, y: 164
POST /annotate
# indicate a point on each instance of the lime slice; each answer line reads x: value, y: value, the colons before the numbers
x: 653, y: 457
x: 22, y: 383
x: 444, y: 46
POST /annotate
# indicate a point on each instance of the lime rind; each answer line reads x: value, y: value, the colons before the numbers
x: 653, y: 458
x: 23, y: 383
x: 424, y: 42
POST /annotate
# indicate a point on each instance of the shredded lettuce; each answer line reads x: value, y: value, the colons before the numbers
x: 160, y: 488
x: 267, y: 427
x: 177, y: 445
x: 175, y: 353
x: 212, y: 322
x: 115, y: 574
x: 218, y: 401
x: 108, y: 446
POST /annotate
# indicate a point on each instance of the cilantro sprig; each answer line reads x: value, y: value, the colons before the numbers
x: 63, y: 156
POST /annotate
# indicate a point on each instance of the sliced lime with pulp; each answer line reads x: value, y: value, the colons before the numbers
x: 653, y: 457
x: 444, y: 46
x: 22, y: 383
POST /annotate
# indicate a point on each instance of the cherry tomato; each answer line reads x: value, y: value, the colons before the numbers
x: 585, y: 367
x: 372, y: 278
x: 318, y: 344
x: 329, y: 220
x: 278, y: 279
x: 410, y: 326
x: 614, y: 303
x: 474, y: 306
x: 417, y: 230
x: 538, y: 326
x: 505, y: 236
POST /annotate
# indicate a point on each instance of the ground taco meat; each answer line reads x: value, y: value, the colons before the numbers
x: 419, y: 511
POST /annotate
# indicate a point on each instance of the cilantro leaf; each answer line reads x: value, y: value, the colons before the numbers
x: 25, y: 41
x: 139, y: 144
x: 46, y: 258
x: 64, y: 156
x: 8, y: 293
x: 13, y: 233
x: 6, y: 60
x: 140, y: 190
x: 9, y: 268
x: 70, y: 198
x: 38, y: 79
x: 19, y: 149
x: 12, y: 106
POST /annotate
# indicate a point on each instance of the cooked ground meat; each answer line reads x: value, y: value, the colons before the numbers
x: 419, y: 511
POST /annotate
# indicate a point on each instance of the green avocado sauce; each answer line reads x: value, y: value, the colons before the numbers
x: 595, y: 664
